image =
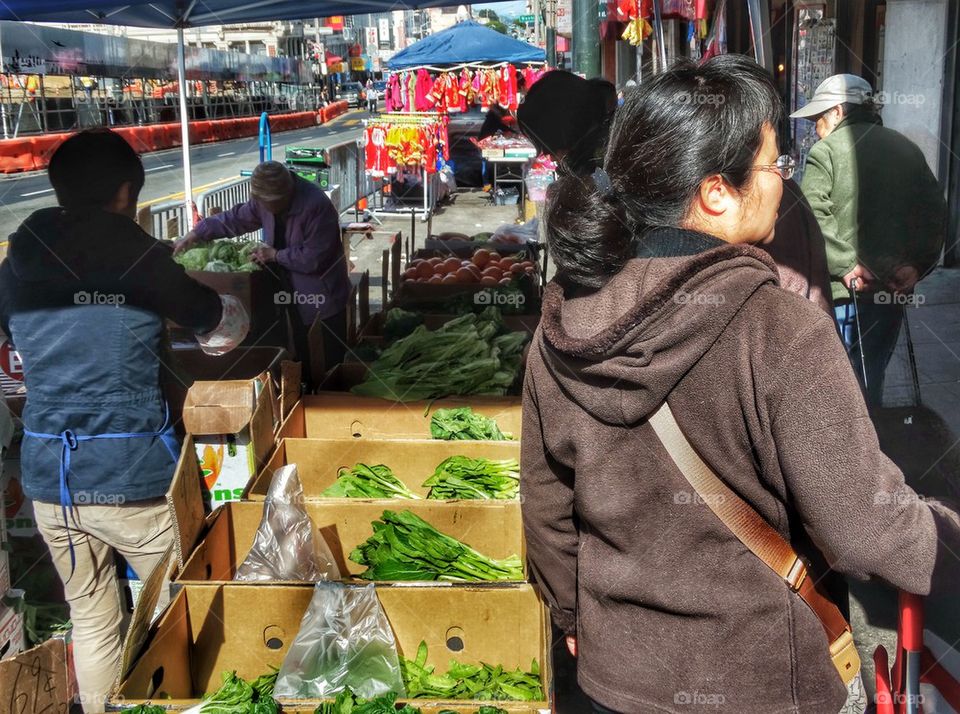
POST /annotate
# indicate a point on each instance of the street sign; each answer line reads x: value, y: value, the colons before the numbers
x: 525, y: 19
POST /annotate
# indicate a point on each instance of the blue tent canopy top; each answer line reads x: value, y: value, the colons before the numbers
x: 194, y: 13
x: 464, y: 43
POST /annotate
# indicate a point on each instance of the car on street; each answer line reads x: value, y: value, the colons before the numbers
x: 352, y: 93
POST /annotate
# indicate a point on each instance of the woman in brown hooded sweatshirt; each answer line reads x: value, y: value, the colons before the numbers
x: 660, y: 296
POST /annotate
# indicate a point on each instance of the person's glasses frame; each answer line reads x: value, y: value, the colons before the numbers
x: 786, y: 166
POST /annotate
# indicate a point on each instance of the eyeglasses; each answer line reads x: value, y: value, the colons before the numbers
x: 786, y: 166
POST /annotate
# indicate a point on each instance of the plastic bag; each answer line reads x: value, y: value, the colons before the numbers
x: 232, y: 330
x: 288, y: 546
x: 344, y: 640
x: 509, y: 233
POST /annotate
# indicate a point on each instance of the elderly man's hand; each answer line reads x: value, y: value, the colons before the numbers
x: 865, y: 279
x: 186, y: 243
x: 904, y: 279
x: 263, y: 255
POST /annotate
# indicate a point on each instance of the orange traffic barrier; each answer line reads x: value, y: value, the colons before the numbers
x: 16, y: 155
x: 43, y: 148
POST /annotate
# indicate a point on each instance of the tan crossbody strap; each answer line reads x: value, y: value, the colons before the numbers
x: 755, y: 533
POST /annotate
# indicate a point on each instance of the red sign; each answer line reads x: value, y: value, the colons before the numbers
x: 336, y: 22
x: 10, y: 362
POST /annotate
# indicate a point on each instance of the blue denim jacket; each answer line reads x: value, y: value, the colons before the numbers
x: 93, y: 369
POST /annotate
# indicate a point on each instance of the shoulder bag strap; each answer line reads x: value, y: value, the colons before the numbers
x: 755, y: 533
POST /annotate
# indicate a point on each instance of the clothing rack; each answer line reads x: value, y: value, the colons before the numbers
x: 429, y: 181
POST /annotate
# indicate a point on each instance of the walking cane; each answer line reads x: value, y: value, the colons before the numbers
x: 856, y: 319
x: 912, y: 357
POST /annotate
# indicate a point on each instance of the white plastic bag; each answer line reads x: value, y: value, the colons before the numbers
x: 232, y: 330
x: 288, y: 546
x: 344, y: 640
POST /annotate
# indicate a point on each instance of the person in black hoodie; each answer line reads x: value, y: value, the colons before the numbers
x: 84, y: 294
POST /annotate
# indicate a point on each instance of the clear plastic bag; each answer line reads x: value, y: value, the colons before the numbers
x: 288, y: 546
x: 344, y: 640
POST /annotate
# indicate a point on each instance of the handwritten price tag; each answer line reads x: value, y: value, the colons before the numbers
x: 36, y: 682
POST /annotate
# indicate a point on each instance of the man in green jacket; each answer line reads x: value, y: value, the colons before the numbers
x: 882, y: 214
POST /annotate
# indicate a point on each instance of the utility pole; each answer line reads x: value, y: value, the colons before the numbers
x: 551, y: 23
x: 586, y: 37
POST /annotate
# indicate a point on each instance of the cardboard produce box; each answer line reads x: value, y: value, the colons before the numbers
x: 38, y: 680
x: 336, y: 415
x: 210, y: 629
x: 12, y: 636
x: 210, y: 548
x: 232, y: 426
x: 4, y: 570
x: 521, y: 299
x: 412, y: 461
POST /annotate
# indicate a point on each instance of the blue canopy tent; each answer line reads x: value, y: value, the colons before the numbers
x: 465, y: 43
x: 179, y: 14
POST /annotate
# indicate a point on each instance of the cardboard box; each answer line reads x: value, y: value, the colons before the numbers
x: 38, y: 680
x: 209, y: 629
x: 12, y: 637
x: 18, y: 509
x: 334, y: 415
x: 493, y: 528
x: 412, y: 461
x: 232, y: 426
x: 521, y: 299
x: 4, y: 570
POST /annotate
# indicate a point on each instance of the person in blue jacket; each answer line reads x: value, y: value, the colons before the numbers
x: 84, y: 294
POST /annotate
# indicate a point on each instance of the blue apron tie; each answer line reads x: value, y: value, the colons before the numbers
x: 69, y: 441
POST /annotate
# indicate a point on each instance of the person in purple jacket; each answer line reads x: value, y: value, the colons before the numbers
x: 302, y: 247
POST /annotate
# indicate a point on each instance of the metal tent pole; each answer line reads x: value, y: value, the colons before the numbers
x: 185, y: 131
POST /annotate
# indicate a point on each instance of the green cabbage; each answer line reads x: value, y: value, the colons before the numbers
x: 195, y: 258
x: 218, y: 266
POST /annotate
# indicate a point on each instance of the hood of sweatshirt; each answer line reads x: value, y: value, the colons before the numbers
x: 53, y: 245
x: 618, y: 351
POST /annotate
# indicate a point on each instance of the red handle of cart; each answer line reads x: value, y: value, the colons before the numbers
x: 884, y: 691
x: 910, y: 636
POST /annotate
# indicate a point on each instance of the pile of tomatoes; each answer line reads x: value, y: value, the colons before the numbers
x: 485, y: 267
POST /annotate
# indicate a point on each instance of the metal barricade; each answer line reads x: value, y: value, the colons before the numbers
x: 347, y: 171
x: 225, y: 197
x: 164, y: 221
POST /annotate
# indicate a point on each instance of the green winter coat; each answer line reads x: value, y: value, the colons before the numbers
x: 876, y: 200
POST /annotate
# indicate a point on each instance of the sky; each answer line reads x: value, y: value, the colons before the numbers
x: 512, y: 7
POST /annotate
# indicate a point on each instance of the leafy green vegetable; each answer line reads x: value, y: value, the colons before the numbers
x: 463, y: 356
x: 463, y: 423
x: 405, y: 547
x: 364, y: 481
x: 217, y: 266
x: 195, y: 258
x: 347, y: 702
x: 237, y: 696
x: 400, y: 323
x: 481, y: 682
x: 220, y: 256
x: 463, y: 477
x: 145, y: 709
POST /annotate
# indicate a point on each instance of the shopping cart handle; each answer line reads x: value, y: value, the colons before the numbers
x: 911, y: 622
x: 884, y: 694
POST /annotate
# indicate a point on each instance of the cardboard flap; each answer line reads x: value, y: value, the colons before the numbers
x: 143, y: 616
x: 291, y: 376
x: 219, y: 407
x: 185, y: 500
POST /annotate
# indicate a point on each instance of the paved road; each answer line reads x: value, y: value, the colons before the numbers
x: 22, y: 194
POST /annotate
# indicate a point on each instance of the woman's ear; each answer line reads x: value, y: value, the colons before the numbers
x: 714, y: 197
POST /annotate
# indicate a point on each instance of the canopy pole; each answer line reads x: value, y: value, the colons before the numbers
x: 185, y: 131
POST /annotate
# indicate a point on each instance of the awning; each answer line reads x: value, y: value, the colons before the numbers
x: 464, y: 43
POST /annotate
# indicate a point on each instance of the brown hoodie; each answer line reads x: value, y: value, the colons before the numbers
x: 672, y: 612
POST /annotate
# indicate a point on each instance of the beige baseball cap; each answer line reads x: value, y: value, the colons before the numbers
x: 838, y: 89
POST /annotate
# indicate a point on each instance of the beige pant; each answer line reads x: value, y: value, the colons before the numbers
x: 141, y: 532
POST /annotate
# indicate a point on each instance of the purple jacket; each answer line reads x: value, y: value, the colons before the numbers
x: 314, y: 253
